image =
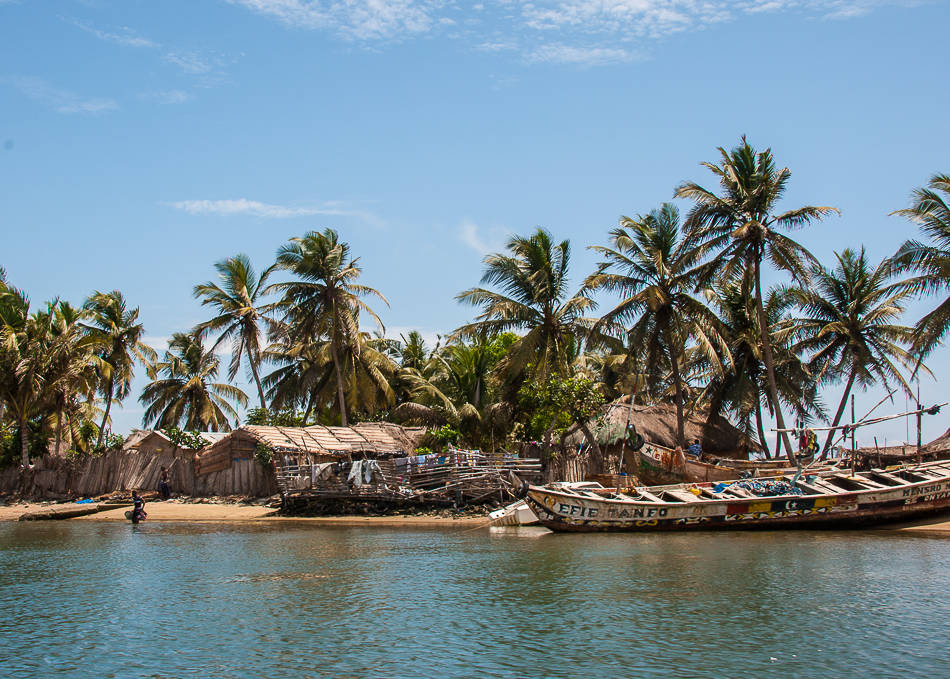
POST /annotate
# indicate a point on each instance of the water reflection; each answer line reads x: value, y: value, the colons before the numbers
x: 200, y: 600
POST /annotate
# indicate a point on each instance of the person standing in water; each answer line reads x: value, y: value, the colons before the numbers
x: 138, y: 508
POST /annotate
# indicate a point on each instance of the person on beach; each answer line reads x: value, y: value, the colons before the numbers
x: 163, y: 488
x: 138, y: 507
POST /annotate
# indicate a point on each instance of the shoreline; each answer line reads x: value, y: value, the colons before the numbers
x: 235, y: 512
x: 226, y: 512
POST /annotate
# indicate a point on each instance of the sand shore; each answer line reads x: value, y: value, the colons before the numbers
x: 186, y: 511
x: 234, y: 512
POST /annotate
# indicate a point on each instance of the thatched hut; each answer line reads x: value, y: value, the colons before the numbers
x: 657, y: 424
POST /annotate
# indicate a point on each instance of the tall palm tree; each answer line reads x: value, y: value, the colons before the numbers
x: 739, y: 228
x: 239, y: 313
x: 532, y: 297
x: 22, y: 362
x: 850, y: 326
x: 741, y: 389
x: 931, y: 262
x: 325, y: 300
x: 654, y: 272
x: 183, y: 393
x: 118, y: 334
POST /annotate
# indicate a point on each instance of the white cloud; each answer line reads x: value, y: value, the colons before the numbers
x: 125, y: 35
x: 61, y: 101
x: 470, y: 234
x: 166, y: 96
x: 581, y: 56
x: 189, y: 62
x: 353, y: 19
x: 253, y: 208
x: 542, y: 31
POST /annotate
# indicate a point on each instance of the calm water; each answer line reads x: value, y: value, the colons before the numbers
x: 183, y: 600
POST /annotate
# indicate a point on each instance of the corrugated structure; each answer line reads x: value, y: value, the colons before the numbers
x: 137, y: 465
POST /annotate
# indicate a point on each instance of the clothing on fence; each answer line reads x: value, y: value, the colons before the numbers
x: 320, y: 471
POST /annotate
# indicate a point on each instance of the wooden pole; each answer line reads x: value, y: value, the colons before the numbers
x: 854, y: 450
x: 919, y: 415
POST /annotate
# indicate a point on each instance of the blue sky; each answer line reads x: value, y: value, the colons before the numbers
x: 141, y: 141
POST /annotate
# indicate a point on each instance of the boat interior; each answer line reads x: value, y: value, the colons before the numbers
x: 830, y: 482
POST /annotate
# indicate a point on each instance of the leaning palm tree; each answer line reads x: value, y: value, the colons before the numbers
x: 118, y: 334
x: 850, y: 326
x: 654, y: 273
x: 931, y: 262
x: 739, y: 229
x: 532, y: 297
x: 239, y: 313
x: 324, y: 300
x: 183, y: 393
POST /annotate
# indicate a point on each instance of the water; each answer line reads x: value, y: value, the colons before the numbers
x: 87, y: 599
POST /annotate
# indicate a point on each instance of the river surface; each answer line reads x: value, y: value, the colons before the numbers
x: 93, y: 600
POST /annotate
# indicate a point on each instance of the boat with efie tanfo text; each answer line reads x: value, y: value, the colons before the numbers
x: 826, y: 499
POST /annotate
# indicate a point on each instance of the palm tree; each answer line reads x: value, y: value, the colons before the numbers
x: 22, y: 361
x: 739, y: 229
x: 850, y: 326
x: 742, y: 387
x: 184, y: 395
x: 115, y: 329
x: 325, y: 299
x: 654, y: 271
x: 239, y: 313
x: 931, y: 262
x: 532, y: 298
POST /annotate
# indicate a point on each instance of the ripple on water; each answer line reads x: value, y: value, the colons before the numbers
x: 173, y: 600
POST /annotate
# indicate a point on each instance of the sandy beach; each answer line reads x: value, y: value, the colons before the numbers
x: 238, y: 512
x: 234, y: 512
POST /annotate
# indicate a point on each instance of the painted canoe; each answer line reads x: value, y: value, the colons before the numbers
x: 827, y: 499
x: 658, y: 467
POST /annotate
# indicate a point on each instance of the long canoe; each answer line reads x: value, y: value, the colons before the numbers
x: 827, y: 499
x: 657, y: 466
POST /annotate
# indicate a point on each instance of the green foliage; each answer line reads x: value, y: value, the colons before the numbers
x: 445, y: 434
x: 554, y: 404
x: 423, y: 450
x: 288, y: 417
x: 10, y: 442
x: 185, y: 439
x: 264, y: 455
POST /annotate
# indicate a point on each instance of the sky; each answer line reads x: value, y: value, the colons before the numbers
x: 140, y: 142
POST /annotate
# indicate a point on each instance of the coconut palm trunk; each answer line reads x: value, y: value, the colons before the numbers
x: 678, y: 387
x: 759, y: 427
x: 339, y: 381
x: 257, y: 379
x: 24, y: 442
x: 105, y: 416
x: 838, y: 414
x: 770, y: 365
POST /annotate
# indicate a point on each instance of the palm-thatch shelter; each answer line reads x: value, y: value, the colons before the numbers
x: 657, y: 424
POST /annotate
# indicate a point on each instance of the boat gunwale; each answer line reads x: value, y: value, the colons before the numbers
x: 655, y: 490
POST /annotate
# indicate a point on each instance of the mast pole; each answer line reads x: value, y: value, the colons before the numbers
x: 919, y: 415
x: 854, y: 452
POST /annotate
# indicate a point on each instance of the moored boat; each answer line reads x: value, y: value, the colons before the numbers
x: 828, y: 498
x: 658, y: 466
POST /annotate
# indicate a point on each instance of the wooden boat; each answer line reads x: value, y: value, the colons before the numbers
x: 657, y: 466
x: 829, y: 498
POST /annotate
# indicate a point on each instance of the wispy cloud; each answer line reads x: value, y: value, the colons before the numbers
x: 253, y: 208
x: 189, y: 62
x: 576, y: 32
x: 125, y: 36
x: 166, y: 96
x: 472, y: 236
x: 60, y: 100
x: 355, y: 19
x: 579, y: 56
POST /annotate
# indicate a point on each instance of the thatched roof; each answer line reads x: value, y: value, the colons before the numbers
x: 938, y: 445
x: 139, y: 436
x: 657, y: 424
x: 371, y: 437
